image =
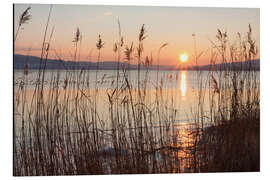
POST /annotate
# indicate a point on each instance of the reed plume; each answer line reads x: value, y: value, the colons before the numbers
x: 77, y: 35
x: 128, y: 52
x: 24, y: 18
x: 100, y: 43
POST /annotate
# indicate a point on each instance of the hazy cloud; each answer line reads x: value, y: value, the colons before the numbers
x: 107, y: 13
x: 27, y: 49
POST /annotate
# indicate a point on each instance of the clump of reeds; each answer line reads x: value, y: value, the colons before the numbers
x: 61, y: 130
x: 232, y: 140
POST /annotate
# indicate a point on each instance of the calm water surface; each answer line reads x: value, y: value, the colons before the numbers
x: 180, y: 88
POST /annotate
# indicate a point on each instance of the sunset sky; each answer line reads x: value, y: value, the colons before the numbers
x: 172, y: 25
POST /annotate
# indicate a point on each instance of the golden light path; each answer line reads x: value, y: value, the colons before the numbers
x: 183, y: 83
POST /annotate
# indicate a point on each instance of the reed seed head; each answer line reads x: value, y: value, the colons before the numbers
x: 25, y: 16
x: 77, y: 36
x: 100, y: 43
x: 142, y: 35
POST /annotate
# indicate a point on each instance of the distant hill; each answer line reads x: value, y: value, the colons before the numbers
x: 34, y: 63
x: 247, y: 65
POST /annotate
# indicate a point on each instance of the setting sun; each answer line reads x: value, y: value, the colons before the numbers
x: 134, y: 89
x: 183, y: 57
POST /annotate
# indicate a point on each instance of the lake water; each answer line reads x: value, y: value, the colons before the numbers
x: 184, y: 98
x: 180, y: 89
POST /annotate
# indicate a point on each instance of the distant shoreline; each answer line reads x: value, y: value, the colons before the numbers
x: 33, y: 62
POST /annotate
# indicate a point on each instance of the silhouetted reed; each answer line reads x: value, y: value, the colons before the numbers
x: 24, y: 18
x: 60, y: 129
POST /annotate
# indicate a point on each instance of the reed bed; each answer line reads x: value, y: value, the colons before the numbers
x: 60, y: 130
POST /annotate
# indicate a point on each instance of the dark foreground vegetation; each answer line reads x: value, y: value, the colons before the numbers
x: 59, y: 130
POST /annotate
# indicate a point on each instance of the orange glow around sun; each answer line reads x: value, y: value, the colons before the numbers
x: 183, y: 57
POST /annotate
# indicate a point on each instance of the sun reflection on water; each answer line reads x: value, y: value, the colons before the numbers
x: 184, y: 146
x: 183, y: 83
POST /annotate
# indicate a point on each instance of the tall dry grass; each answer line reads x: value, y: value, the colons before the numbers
x: 60, y: 130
